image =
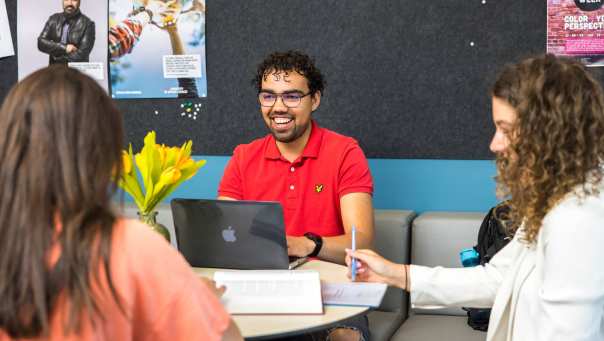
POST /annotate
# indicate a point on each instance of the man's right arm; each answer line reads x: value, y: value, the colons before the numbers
x: 82, y: 51
x: 231, y: 184
x: 46, y: 45
x: 221, y: 197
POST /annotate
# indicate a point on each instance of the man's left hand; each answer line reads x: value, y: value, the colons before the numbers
x: 70, y: 48
x: 299, y: 246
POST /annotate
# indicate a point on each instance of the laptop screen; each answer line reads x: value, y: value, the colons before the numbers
x: 230, y: 234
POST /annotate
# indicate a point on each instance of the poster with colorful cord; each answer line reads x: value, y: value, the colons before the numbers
x: 157, y: 49
x: 575, y: 28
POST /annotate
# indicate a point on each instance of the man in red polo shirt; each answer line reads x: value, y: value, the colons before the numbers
x: 321, y: 178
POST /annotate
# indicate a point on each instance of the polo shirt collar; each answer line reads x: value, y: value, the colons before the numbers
x: 310, y: 150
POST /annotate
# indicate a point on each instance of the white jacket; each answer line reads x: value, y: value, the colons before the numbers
x: 551, y: 290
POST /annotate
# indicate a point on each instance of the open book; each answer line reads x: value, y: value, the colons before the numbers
x: 271, y: 291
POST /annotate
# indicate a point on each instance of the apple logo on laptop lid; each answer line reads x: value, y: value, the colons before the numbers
x: 229, y: 235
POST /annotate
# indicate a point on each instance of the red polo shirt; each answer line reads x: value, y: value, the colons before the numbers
x: 309, y: 188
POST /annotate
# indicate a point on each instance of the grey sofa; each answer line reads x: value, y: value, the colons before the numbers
x: 436, y: 239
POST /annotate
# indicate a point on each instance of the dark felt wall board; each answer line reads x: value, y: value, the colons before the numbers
x: 402, y: 76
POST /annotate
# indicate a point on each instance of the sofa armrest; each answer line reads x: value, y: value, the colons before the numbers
x: 437, y: 239
x: 392, y: 240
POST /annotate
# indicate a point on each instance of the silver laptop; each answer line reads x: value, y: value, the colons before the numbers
x: 231, y: 234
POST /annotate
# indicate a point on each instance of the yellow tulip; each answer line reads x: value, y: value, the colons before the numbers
x: 161, y: 168
x: 183, y: 153
x: 170, y: 176
x: 127, y: 162
x: 191, y: 167
x: 187, y: 163
x: 173, y: 153
x: 163, y: 154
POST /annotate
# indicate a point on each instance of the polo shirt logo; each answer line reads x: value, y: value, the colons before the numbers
x: 319, y: 188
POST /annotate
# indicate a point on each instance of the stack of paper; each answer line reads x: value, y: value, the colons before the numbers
x: 354, y: 294
x: 271, y: 291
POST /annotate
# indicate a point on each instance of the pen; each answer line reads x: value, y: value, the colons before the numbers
x: 354, y: 247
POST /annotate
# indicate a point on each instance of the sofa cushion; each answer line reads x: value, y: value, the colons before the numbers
x: 438, y: 237
x: 437, y: 328
x: 382, y: 324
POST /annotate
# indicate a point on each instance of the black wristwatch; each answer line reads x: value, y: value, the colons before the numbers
x: 318, y: 240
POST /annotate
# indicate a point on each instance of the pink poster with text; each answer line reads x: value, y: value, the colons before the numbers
x: 575, y: 28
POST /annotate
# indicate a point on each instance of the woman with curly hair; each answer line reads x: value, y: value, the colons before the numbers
x: 548, y: 282
x: 70, y: 269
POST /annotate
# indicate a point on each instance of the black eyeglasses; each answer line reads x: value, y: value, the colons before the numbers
x: 289, y: 99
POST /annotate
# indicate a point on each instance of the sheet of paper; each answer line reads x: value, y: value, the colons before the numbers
x: 353, y: 294
x: 271, y: 291
x: 6, y: 40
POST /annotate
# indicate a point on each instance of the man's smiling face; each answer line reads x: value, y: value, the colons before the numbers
x: 287, y: 124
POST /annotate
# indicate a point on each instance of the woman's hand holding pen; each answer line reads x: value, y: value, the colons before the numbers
x: 372, y: 267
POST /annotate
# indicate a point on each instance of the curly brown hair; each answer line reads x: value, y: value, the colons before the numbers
x: 291, y: 61
x: 557, y: 141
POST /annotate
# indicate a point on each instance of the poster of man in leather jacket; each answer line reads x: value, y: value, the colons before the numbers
x: 71, y: 32
x: 68, y: 36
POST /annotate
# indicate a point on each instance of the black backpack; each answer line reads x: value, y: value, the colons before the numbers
x: 492, y: 237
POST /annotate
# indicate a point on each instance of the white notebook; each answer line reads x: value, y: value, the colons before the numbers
x: 271, y: 291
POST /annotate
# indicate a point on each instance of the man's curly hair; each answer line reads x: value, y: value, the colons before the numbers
x: 557, y: 142
x: 290, y: 61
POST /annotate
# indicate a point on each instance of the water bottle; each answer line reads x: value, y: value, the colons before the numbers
x: 469, y: 257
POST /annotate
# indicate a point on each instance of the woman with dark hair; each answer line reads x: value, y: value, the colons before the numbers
x: 69, y: 268
x: 548, y: 282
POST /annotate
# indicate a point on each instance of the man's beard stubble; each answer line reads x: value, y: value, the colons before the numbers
x: 297, y: 132
x: 73, y: 11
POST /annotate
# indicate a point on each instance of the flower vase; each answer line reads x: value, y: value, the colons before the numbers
x: 151, y: 220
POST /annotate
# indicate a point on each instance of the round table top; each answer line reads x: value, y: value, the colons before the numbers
x: 271, y: 326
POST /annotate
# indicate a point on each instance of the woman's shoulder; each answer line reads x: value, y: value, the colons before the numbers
x: 135, y: 234
x: 160, y: 284
x: 134, y: 242
x: 577, y: 214
x: 584, y: 200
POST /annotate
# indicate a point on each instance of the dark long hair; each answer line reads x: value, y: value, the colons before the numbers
x: 557, y: 142
x: 60, y: 143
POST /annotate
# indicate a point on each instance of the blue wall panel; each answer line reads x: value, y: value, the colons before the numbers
x: 419, y: 185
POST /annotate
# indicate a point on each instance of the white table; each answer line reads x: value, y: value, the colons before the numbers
x: 272, y: 326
